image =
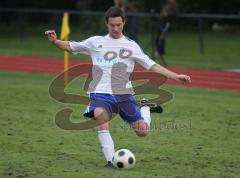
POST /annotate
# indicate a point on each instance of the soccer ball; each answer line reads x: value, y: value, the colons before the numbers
x: 123, y: 159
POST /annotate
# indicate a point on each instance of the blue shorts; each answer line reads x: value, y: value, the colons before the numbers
x: 125, y: 105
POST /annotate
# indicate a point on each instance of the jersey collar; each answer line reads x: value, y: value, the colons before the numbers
x: 108, y: 36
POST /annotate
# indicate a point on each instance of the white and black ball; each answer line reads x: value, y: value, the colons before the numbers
x: 123, y: 159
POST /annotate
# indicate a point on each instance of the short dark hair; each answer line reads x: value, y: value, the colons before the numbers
x: 114, y: 12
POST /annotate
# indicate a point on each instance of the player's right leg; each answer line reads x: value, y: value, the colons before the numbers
x: 106, y: 143
x: 101, y: 116
x: 101, y: 111
x: 104, y: 136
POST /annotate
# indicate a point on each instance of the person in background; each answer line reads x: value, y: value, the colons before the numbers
x: 167, y: 15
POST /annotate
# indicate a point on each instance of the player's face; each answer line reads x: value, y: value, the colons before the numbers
x: 115, y: 26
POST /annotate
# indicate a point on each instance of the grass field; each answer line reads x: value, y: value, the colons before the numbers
x: 221, y: 49
x: 196, y: 136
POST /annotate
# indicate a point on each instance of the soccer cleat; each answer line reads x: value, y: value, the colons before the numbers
x: 109, y: 165
x: 154, y: 107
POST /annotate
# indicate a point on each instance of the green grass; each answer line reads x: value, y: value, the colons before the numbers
x: 196, y: 136
x: 32, y: 46
x: 221, y: 50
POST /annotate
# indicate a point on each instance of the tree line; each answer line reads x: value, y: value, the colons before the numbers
x: 185, y: 6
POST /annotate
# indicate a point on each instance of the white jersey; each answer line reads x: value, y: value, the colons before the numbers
x: 113, y: 61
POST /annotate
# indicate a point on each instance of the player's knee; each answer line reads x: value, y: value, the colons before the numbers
x: 141, y: 129
x: 98, y: 112
x: 141, y: 133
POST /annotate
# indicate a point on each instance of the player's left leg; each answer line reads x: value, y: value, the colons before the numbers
x: 140, y: 127
x: 154, y: 107
x: 138, y: 118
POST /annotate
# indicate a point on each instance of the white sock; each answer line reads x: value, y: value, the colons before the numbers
x: 145, y: 112
x: 106, y: 144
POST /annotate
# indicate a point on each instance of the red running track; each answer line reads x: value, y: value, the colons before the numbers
x: 201, y: 78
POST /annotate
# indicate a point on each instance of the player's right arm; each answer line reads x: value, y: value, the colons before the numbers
x: 52, y: 37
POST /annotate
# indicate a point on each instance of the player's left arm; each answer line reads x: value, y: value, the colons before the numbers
x: 169, y: 74
x: 151, y: 65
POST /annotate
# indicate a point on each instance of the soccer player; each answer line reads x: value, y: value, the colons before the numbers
x: 113, y: 58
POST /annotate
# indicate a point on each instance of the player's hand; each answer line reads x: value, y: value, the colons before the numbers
x: 183, y: 78
x: 52, y: 36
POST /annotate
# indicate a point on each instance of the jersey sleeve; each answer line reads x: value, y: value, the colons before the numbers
x: 83, y: 47
x: 142, y: 59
